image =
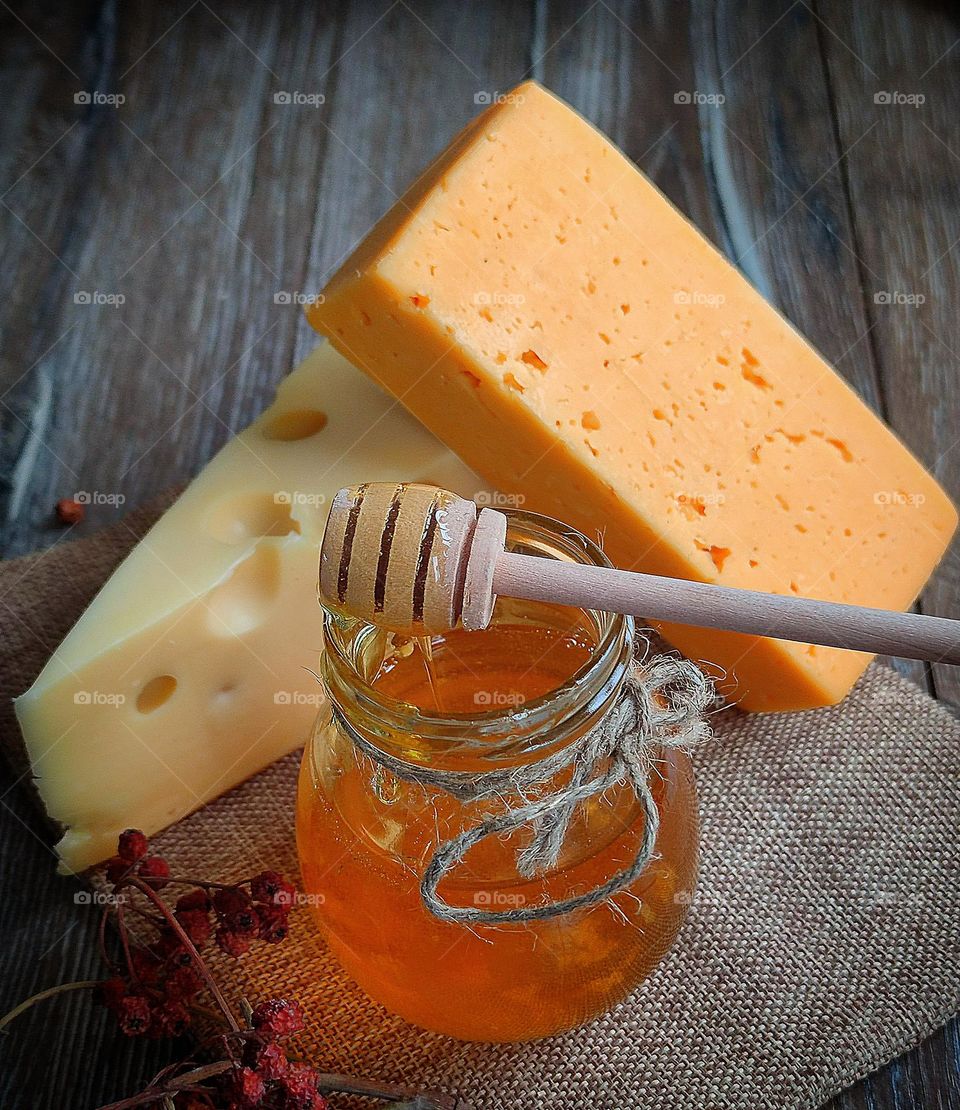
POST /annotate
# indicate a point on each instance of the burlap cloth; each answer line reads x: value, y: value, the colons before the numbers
x: 824, y: 938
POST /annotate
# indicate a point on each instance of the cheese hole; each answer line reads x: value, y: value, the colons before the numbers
x: 290, y: 426
x: 252, y: 515
x: 590, y: 421
x: 246, y: 598
x: 156, y: 692
x: 718, y: 555
x: 845, y: 452
x: 751, y: 375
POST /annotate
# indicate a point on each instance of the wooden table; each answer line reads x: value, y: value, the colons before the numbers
x: 164, y: 207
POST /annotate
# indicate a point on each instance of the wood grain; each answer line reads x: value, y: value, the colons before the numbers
x: 201, y: 198
x: 906, y: 231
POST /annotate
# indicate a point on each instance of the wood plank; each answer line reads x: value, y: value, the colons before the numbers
x: 66, y: 1051
x: 389, y: 118
x: 185, y: 202
x: 766, y: 186
x: 906, y: 213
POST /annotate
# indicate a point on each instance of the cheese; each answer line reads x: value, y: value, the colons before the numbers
x: 191, y: 669
x: 543, y: 309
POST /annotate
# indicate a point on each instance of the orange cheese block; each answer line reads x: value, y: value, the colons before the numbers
x: 546, y: 312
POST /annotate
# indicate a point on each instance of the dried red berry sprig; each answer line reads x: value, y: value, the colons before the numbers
x: 160, y: 973
x: 257, y: 1071
x: 152, y: 988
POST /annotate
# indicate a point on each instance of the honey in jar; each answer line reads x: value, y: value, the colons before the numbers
x: 535, y: 681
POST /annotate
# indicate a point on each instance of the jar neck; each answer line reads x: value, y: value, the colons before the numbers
x: 502, y: 736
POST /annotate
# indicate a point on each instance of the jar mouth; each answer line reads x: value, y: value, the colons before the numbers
x: 498, y: 731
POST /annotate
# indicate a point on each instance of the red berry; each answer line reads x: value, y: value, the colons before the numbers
x: 268, y: 1059
x: 132, y: 845
x: 133, y: 1013
x: 154, y: 870
x: 272, y: 888
x: 112, y: 992
x: 170, y: 949
x: 273, y: 923
x: 116, y: 869
x: 229, y: 900
x: 232, y: 943
x: 277, y: 1017
x: 146, y: 966
x: 171, y: 1019
x: 183, y: 984
x: 194, y: 900
x: 70, y: 511
x: 245, y: 923
x: 299, y: 1087
x: 196, y: 924
x: 246, y: 1086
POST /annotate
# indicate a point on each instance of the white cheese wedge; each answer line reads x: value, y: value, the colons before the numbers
x: 191, y: 669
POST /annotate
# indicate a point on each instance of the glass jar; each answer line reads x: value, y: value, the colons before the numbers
x: 531, y: 684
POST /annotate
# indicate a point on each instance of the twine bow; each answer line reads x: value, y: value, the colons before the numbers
x: 661, y: 704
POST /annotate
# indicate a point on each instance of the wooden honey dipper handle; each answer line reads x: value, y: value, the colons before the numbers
x: 678, y: 601
x: 419, y: 560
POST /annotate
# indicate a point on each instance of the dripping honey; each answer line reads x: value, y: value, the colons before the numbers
x: 366, y: 837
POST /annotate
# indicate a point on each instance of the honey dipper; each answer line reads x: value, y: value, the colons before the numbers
x: 417, y: 559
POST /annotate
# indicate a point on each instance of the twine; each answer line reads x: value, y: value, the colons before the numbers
x: 660, y: 705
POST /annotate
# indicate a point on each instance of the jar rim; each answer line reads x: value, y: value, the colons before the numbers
x: 503, y: 731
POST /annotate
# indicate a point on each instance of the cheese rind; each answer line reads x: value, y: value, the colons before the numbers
x: 192, y: 668
x: 543, y: 309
